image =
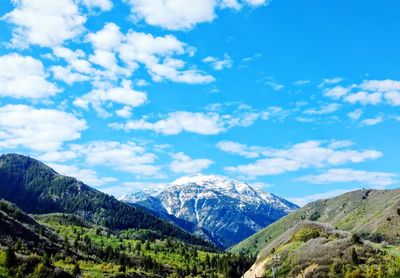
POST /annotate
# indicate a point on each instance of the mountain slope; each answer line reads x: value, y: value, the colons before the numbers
x: 64, y: 245
x: 312, y: 249
x: 36, y: 188
x: 373, y: 214
x: 15, y: 226
x: 224, y: 209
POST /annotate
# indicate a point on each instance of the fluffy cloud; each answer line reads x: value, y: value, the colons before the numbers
x: 24, y: 77
x: 124, y: 95
x: 364, y: 178
x: 45, y: 22
x: 88, y: 176
x: 108, y: 38
x: 219, y: 64
x: 325, y: 109
x: 336, y: 92
x: 122, y: 54
x: 183, y: 164
x: 364, y: 98
x: 369, y: 92
x: 156, y: 54
x: 372, y: 121
x: 181, y: 14
x: 104, y: 5
x: 128, y: 157
x: 355, y: 115
x: 239, y: 149
x: 178, y: 122
x: 37, y: 129
x: 310, y: 154
x: 205, y: 123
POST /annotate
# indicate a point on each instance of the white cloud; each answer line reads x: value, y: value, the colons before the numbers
x: 104, y: 5
x: 364, y: 98
x: 128, y: 157
x: 177, y: 122
x: 261, y: 185
x: 173, y: 69
x: 88, y: 176
x: 372, y: 121
x: 310, y: 154
x: 58, y: 156
x: 124, y: 95
x: 124, y: 112
x: 183, y: 164
x: 209, y: 123
x: 328, y: 81
x: 355, y: 115
x: 393, y: 98
x: 301, y: 82
x: 274, y: 85
x: 340, y: 144
x: 182, y: 14
x: 336, y: 92
x: 108, y: 38
x: 381, y: 85
x: 364, y: 178
x: 302, y: 201
x: 219, y: 64
x: 240, y: 149
x: 24, y: 77
x: 37, y: 129
x: 369, y: 92
x: 155, y: 53
x: 325, y: 109
x: 45, y: 22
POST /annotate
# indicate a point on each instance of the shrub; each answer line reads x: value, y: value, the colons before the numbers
x: 306, y: 234
x: 355, y: 239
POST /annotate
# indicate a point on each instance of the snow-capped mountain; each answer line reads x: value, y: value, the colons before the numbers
x: 223, y: 209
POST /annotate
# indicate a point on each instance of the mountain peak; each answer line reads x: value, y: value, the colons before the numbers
x: 214, y: 182
x: 225, y: 207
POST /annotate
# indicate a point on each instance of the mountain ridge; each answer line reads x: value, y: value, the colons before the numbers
x: 228, y: 209
x: 36, y: 188
x: 374, y: 214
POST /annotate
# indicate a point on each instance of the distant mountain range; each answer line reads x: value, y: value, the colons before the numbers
x: 222, y: 209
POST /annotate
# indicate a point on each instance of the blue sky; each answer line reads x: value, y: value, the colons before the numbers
x: 299, y: 98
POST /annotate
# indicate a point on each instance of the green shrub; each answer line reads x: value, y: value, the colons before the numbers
x: 306, y: 234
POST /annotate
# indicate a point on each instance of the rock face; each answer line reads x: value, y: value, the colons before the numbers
x: 224, y: 210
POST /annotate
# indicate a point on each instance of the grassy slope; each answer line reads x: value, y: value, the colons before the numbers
x: 363, y: 211
x: 311, y: 249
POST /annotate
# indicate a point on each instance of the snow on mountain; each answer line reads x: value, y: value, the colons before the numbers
x: 223, y: 209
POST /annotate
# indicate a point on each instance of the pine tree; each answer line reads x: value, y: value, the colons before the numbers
x: 76, y: 270
x: 10, y: 259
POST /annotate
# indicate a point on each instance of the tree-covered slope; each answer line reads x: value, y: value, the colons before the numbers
x: 373, y: 214
x: 36, y: 188
x: 64, y: 245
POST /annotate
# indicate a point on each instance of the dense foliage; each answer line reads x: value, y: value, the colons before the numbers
x: 94, y: 251
x: 36, y: 188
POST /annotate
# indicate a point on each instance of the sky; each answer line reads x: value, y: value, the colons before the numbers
x: 298, y: 98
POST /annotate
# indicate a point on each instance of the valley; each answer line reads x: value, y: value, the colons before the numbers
x: 56, y: 226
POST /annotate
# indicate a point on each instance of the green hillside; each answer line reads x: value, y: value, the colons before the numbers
x: 372, y: 214
x: 36, y: 188
x: 312, y: 249
x: 64, y: 245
